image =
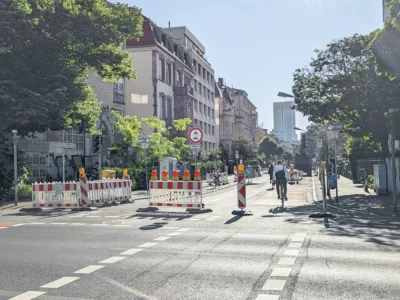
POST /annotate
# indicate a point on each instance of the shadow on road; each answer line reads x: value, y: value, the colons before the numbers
x: 233, y: 220
x: 164, y: 215
x: 153, y: 226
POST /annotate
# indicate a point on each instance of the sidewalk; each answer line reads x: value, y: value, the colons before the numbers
x: 353, y: 199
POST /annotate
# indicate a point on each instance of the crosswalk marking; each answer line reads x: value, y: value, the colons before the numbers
x: 274, y: 285
x: 281, y: 272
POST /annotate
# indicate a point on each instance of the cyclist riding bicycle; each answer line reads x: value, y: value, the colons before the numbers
x: 281, y: 175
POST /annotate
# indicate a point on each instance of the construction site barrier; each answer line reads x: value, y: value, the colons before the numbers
x: 223, y: 178
x: 55, y: 195
x: 187, y: 194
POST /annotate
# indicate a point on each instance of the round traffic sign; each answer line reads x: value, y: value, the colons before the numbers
x: 196, y: 135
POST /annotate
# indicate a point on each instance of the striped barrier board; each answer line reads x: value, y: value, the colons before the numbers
x: 186, y: 194
x: 55, y: 195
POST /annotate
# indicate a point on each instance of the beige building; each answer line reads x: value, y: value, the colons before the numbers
x: 237, y: 115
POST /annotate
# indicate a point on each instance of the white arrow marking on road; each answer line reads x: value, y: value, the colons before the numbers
x: 28, y: 295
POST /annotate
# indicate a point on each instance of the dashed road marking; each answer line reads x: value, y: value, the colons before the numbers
x: 184, y: 229
x: 163, y: 238
x: 122, y: 226
x: 287, y: 261
x: 17, y: 225
x: 281, y: 272
x: 300, y: 234
x: 274, y: 285
x: 174, y: 233
x: 112, y: 260
x: 28, y: 295
x: 78, y: 224
x: 59, y: 282
x: 77, y: 216
x: 291, y: 252
x: 267, y: 297
x: 89, y: 269
x: 147, y: 245
x: 131, y: 252
x: 298, y: 239
x: 59, y: 223
x: 112, y: 216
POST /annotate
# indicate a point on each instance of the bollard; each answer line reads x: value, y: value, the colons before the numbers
x: 175, y: 175
x: 241, y: 193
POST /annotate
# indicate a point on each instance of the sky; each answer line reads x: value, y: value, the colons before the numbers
x: 256, y: 45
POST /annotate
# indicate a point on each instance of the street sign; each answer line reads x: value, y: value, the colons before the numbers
x: 319, y: 143
x: 236, y: 154
x: 144, y: 141
x: 196, y: 135
x: 334, y: 127
x: 333, y: 135
x: 145, y: 146
x: 195, y: 146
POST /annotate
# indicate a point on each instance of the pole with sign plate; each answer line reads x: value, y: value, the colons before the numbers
x: 334, y: 130
x: 195, y: 137
x: 145, y: 145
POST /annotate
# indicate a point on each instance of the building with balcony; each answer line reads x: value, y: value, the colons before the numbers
x: 237, y: 115
x: 163, y: 87
x: 203, y: 105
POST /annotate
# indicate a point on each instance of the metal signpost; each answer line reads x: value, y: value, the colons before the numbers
x: 100, y: 157
x: 195, y: 136
x: 145, y: 145
x: 334, y: 129
x: 16, y: 140
x: 237, y: 157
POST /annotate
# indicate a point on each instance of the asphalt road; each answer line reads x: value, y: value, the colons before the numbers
x: 117, y: 253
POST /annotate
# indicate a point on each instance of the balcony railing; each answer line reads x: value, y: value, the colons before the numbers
x: 183, y: 91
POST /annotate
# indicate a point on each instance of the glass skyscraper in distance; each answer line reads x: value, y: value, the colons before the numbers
x: 284, y: 121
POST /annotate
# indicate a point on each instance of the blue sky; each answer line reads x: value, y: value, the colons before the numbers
x: 257, y: 44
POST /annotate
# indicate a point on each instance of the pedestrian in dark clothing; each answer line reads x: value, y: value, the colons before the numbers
x: 271, y: 172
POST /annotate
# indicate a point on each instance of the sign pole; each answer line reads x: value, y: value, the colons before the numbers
x: 147, y: 176
x: 100, y: 158
x: 337, y: 184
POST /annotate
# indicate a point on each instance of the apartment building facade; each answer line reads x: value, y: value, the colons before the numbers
x: 203, y: 85
x: 237, y: 115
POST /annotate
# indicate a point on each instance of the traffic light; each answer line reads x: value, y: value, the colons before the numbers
x: 98, y: 141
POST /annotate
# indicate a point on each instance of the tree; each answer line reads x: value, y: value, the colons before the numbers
x: 48, y: 48
x: 270, y: 147
x: 245, y: 147
x: 341, y: 85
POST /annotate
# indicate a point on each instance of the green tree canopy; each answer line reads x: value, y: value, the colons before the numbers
x: 270, y: 147
x: 47, y: 49
x: 245, y: 147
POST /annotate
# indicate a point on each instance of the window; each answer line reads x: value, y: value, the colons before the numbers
x: 195, y: 104
x: 200, y: 88
x: 212, y: 79
x: 205, y: 110
x: 201, y: 124
x: 168, y: 73
x: 212, y: 96
x: 204, y: 73
x: 169, y: 111
x: 178, y: 78
x: 205, y: 128
x: 200, y: 107
x: 205, y: 91
x: 213, y: 130
x: 209, y: 128
x: 209, y: 111
x: 188, y: 81
x: 213, y: 114
x: 195, y: 65
x: 196, y: 121
x: 195, y: 85
x: 208, y: 77
x: 209, y: 145
x: 119, y: 110
x: 199, y: 69
x: 208, y: 94
x: 163, y: 107
x: 164, y: 40
x: 205, y: 145
x: 161, y: 69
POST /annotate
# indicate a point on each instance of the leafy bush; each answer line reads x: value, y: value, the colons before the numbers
x: 371, y: 183
x: 25, y: 191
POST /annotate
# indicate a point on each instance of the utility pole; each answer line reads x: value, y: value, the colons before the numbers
x: 16, y: 140
x: 100, y: 152
x: 393, y: 158
x: 63, y: 156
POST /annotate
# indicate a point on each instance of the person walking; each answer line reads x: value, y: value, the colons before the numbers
x: 271, y: 172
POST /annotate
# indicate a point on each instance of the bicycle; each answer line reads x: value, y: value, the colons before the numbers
x: 280, y: 186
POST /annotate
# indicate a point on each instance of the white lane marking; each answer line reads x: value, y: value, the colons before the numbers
x: 170, y: 227
x: 298, y: 239
x: 291, y: 252
x: 174, y: 233
x: 3, y: 227
x: 112, y: 216
x: 77, y: 216
x: 79, y: 224
x: 300, y: 234
x: 17, y: 225
x: 274, y: 285
x: 287, y: 261
x: 191, y: 219
x: 131, y: 252
x: 295, y: 245
x: 213, y: 218
x: 58, y: 223
x: 112, y: 260
x: 184, y: 229
x: 267, y: 297
x: 93, y: 217
x: 281, y: 272
x: 97, y: 224
x: 123, y: 226
x: 37, y: 223
x: 163, y: 238
x: 89, y: 269
x: 28, y: 295
x: 147, y: 245
x: 59, y: 282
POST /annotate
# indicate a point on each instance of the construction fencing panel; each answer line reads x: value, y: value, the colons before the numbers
x: 55, y: 195
x: 187, y: 194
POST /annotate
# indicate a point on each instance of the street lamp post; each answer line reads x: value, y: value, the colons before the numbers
x: 16, y: 140
x: 392, y: 112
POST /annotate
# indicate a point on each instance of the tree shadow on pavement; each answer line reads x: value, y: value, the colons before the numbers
x: 177, y: 216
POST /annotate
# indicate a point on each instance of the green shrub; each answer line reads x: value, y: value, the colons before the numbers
x: 25, y: 191
x: 371, y: 183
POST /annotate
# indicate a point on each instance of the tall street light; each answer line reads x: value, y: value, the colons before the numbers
x: 392, y: 113
x: 16, y: 140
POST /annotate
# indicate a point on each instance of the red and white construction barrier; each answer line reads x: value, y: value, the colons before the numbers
x: 235, y: 175
x: 104, y: 191
x: 241, y: 196
x: 55, y: 195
